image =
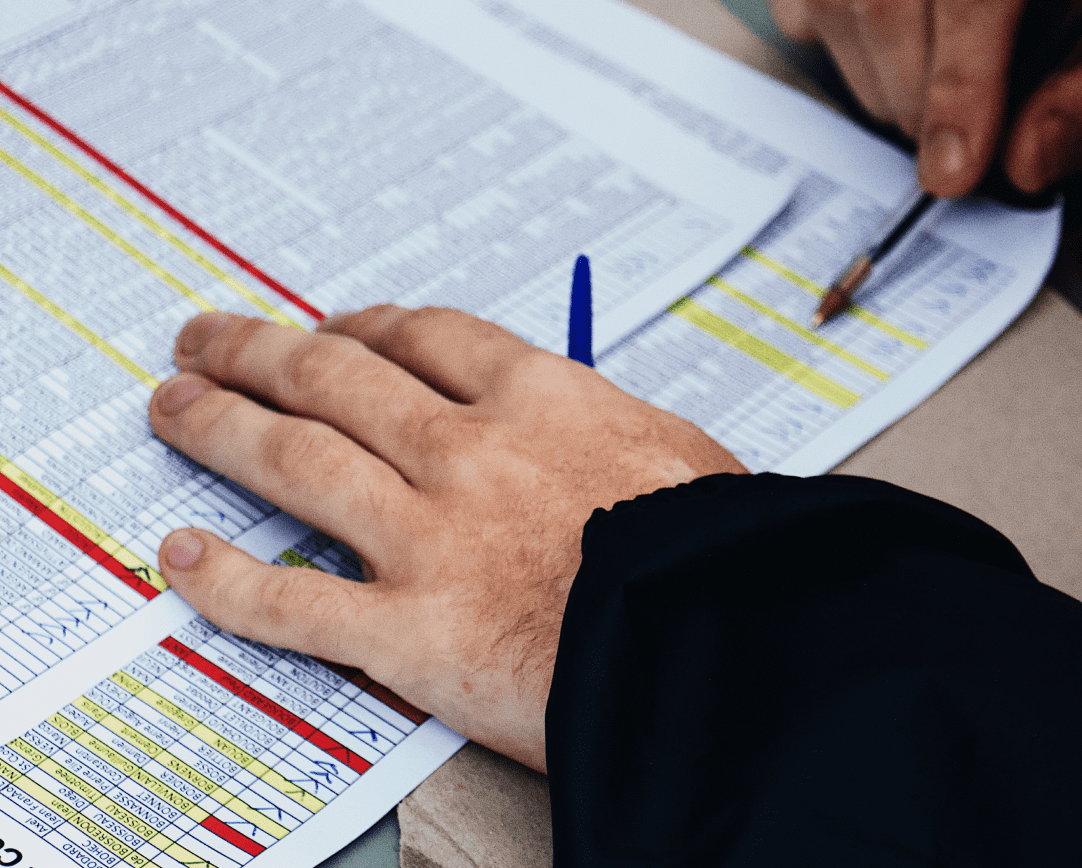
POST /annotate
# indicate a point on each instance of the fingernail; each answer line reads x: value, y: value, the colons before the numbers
x: 182, y: 549
x: 334, y: 319
x: 942, y: 158
x: 198, y: 332
x: 176, y: 394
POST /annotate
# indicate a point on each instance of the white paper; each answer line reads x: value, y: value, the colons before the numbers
x: 611, y: 118
x: 358, y: 152
x: 973, y: 266
x: 364, y: 152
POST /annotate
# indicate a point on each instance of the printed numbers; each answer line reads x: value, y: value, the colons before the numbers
x: 981, y: 270
x: 888, y: 347
x: 632, y: 265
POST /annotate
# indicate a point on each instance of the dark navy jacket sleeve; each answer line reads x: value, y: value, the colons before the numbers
x: 770, y: 671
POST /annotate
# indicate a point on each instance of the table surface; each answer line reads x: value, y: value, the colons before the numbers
x: 1000, y: 440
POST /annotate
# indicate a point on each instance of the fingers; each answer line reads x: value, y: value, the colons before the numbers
x: 880, y: 46
x: 966, y: 91
x: 303, y: 466
x: 322, y: 376
x: 462, y: 357
x: 307, y: 610
x: 896, y: 37
x: 1045, y: 143
x: 837, y: 25
x: 793, y: 18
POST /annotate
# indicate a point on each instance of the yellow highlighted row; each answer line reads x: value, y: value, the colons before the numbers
x: 818, y: 291
x: 222, y: 745
x: 155, y: 227
x: 87, y: 791
x: 81, y: 330
x: 196, y: 813
x: 807, y: 334
x: 81, y: 523
x: 763, y: 352
x: 93, y: 830
x: 107, y: 233
x: 7, y: 772
x: 296, y: 560
x: 29, y: 484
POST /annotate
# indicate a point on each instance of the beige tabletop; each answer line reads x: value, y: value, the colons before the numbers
x: 1002, y: 440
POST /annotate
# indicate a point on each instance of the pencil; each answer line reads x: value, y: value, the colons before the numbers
x: 892, y: 230
x: 1045, y: 41
x: 580, y: 318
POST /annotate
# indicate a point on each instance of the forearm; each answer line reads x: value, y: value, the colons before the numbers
x: 763, y: 670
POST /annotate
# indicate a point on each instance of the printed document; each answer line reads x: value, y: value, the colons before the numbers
x: 287, y: 160
x: 737, y: 357
x: 283, y: 160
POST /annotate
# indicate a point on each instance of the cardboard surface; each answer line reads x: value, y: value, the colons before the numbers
x: 1002, y: 440
x: 479, y: 809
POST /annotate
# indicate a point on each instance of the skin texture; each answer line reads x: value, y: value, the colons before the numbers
x: 457, y: 461
x: 938, y: 69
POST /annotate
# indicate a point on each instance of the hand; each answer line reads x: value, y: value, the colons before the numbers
x: 457, y: 461
x: 939, y: 69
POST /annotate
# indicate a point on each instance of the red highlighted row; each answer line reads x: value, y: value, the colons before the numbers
x: 77, y: 538
x: 147, y: 193
x: 228, y: 833
x: 268, y: 706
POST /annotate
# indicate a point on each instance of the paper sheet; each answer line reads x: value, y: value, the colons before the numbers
x: 364, y: 154
x: 353, y: 152
x: 736, y: 356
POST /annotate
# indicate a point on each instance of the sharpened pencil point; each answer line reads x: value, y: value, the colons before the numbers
x: 817, y: 321
x: 837, y: 297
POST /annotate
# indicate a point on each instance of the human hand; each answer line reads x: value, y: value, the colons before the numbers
x: 457, y: 461
x: 939, y: 70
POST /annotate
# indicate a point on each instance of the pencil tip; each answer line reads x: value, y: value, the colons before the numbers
x: 817, y: 321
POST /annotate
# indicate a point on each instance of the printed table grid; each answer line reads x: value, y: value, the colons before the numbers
x: 752, y: 376
x: 206, y: 748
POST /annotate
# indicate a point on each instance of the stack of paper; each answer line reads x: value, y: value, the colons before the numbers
x: 283, y: 160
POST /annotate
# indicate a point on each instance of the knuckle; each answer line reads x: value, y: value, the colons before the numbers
x: 303, y: 452
x: 313, y: 363
x: 213, y: 413
x: 433, y: 314
x: 947, y: 83
x: 222, y: 356
x: 276, y: 600
x: 962, y: 83
x: 850, y: 10
x: 435, y: 432
x: 965, y: 13
x: 981, y: 31
x: 205, y: 420
x: 375, y: 311
x: 537, y: 368
x: 876, y: 13
x: 410, y: 333
x: 367, y: 324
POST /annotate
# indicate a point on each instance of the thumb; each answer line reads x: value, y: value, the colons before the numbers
x: 1045, y: 143
x: 965, y: 92
x: 304, y: 609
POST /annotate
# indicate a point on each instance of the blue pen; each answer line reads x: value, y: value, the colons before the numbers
x: 580, y: 319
